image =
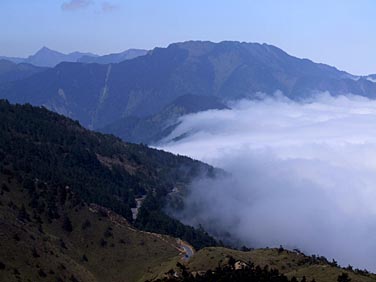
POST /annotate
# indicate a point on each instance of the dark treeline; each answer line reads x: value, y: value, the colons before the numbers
x: 229, y: 273
x: 244, y: 272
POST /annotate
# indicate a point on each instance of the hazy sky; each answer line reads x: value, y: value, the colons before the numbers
x: 339, y: 33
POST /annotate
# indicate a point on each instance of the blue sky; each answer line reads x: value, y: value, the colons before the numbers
x: 340, y: 33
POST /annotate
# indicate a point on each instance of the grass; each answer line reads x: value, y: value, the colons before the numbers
x: 105, y: 250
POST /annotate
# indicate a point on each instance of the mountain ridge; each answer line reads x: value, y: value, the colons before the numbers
x: 113, y: 58
x: 151, y: 129
x: 10, y: 71
x: 46, y: 57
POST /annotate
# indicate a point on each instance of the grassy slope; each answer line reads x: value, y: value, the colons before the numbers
x: 287, y: 262
x: 129, y: 255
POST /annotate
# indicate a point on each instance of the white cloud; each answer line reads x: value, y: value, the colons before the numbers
x: 75, y: 5
x: 303, y: 174
x: 108, y: 7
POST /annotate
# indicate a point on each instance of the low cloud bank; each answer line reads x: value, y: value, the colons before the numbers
x: 303, y: 174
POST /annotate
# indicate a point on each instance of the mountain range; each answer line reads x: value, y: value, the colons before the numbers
x: 127, y: 96
x: 113, y: 58
x: 10, y: 71
x: 46, y: 57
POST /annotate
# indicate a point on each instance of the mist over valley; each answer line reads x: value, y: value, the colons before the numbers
x: 302, y: 174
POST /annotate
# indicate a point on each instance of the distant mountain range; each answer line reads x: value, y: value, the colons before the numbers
x: 46, y: 57
x: 129, y: 96
x: 10, y: 71
x: 113, y: 58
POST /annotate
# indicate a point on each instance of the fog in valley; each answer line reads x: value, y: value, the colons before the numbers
x: 303, y: 174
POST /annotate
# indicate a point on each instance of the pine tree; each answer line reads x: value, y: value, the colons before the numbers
x: 344, y: 277
x: 23, y: 215
x: 67, y: 224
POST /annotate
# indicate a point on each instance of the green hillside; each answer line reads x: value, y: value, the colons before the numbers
x: 101, y: 169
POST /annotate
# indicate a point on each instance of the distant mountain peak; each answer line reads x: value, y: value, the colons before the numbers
x: 45, y: 50
x: 47, y: 57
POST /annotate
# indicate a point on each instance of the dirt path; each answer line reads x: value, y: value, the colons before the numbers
x: 135, y: 210
x: 186, y: 251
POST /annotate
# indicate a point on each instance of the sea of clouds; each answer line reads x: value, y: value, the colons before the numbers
x: 303, y: 174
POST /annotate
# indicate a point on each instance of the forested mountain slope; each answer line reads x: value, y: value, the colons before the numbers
x: 149, y: 130
x: 37, y: 144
